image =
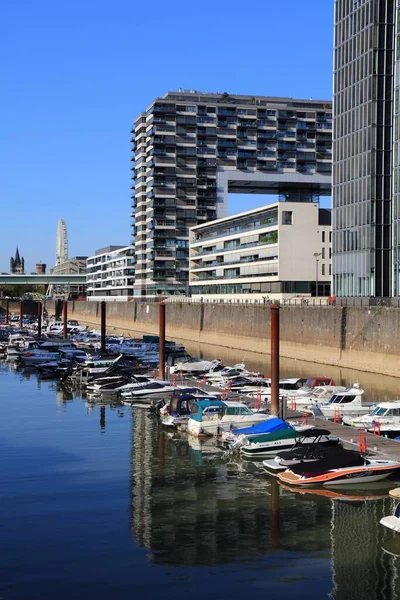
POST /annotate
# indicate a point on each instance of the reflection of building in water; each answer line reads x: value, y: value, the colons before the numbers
x: 360, y: 569
x: 185, y: 513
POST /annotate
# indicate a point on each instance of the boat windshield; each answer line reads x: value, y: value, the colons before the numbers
x: 379, y: 411
x: 341, y: 399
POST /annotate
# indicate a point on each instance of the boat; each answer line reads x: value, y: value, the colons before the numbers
x: 322, y: 445
x: 383, y: 419
x: 347, y: 467
x: 212, y: 417
x: 147, y: 392
x: 261, y: 388
x: 392, y: 521
x: 281, y: 436
x: 178, y: 412
x: 194, y: 365
x: 348, y: 402
x: 317, y: 395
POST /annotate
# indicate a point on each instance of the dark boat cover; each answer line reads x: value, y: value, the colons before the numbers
x: 338, y: 459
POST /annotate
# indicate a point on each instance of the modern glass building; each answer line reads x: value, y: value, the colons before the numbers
x: 365, y: 149
x: 191, y: 149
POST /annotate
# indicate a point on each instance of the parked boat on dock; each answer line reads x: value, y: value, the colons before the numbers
x: 384, y: 419
x: 348, y: 402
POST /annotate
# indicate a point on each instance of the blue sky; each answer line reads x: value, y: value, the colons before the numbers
x: 74, y: 75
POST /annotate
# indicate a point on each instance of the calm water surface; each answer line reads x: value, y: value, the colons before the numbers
x: 99, y: 502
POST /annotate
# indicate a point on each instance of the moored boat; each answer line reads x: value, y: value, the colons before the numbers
x: 212, y: 417
x: 348, y: 402
x: 347, y: 467
x: 383, y: 419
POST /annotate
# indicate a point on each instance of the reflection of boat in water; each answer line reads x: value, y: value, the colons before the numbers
x: 391, y: 545
x: 392, y: 522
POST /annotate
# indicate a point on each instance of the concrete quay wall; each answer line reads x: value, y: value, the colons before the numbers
x: 361, y: 338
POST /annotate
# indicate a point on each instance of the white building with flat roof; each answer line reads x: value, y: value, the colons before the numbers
x: 110, y: 274
x: 280, y: 250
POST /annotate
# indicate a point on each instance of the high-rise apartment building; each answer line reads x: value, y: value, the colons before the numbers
x: 366, y: 193
x: 191, y: 149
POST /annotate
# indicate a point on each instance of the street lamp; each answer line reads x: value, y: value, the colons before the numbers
x: 316, y: 255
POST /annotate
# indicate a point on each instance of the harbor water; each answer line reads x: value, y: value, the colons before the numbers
x: 97, y: 501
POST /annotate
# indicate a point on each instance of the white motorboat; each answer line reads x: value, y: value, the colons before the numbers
x: 317, y: 395
x: 147, y: 392
x: 383, y: 419
x: 261, y: 388
x: 213, y: 417
x: 194, y: 365
x: 348, y: 402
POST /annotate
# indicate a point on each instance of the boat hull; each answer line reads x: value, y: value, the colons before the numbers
x: 270, y: 449
x: 345, y: 476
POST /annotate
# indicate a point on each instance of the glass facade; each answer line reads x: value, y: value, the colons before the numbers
x: 362, y: 149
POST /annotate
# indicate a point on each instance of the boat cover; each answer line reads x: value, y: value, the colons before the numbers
x: 336, y: 460
x: 264, y: 427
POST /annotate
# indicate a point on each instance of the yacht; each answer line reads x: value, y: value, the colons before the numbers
x: 194, y: 365
x: 316, y: 395
x: 348, y: 402
x: 383, y: 419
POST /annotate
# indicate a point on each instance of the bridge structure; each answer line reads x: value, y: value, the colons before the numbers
x: 42, y: 279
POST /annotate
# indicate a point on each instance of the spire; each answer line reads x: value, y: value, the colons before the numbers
x: 17, y: 259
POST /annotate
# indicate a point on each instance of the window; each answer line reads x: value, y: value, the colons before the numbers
x: 323, y: 237
x: 287, y: 217
x: 323, y: 253
x: 323, y: 268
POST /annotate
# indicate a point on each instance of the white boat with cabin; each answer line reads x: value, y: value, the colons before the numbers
x: 213, y: 417
x: 348, y: 402
x: 384, y: 419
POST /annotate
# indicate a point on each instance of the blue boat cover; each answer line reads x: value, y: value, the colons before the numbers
x: 264, y: 427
